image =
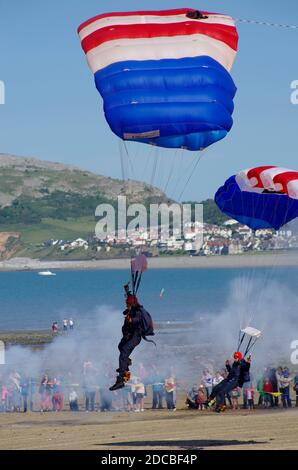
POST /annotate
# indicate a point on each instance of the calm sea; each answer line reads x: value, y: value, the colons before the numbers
x: 30, y: 301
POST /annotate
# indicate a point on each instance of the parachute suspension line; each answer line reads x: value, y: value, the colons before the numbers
x: 250, y: 345
x: 197, y: 161
x: 148, y: 157
x: 129, y: 160
x: 121, y: 160
x: 241, y: 339
x: 266, y: 23
x: 154, y: 167
x: 171, y: 171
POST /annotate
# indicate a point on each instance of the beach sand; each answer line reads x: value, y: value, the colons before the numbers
x: 163, y: 262
x: 152, y: 429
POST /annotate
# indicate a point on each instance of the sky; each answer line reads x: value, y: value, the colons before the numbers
x: 53, y: 112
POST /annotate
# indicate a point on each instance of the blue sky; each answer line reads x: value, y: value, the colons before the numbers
x: 53, y: 111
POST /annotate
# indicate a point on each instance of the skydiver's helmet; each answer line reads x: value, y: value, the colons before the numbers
x: 238, y: 356
x: 131, y: 300
x: 196, y: 15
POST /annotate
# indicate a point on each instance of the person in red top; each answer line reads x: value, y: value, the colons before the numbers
x: 267, y: 389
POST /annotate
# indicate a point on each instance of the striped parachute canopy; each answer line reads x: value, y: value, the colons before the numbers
x: 164, y: 77
x: 263, y: 197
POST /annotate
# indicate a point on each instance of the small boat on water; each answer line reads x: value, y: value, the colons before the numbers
x: 46, y: 273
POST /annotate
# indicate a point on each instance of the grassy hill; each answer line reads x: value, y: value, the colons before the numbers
x: 42, y: 200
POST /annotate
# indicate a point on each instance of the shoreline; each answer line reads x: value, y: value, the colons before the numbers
x: 288, y: 259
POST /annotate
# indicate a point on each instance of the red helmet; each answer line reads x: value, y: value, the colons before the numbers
x: 238, y: 355
x: 131, y: 300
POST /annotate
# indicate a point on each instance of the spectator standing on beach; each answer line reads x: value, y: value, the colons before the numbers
x: 157, y: 381
x: 4, y: 398
x: 272, y: 375
x: 140, y: 394
x: 127, y: 397
x: 45, y: 392
x: 14, y: 391
x: 170, y: 388
x: 295, y: 388
x: 57, y: 395
x: 285, y: 381
x: 260, y: 390
x: 207, y: 381
x: 71, y: 324
x: 268, y: 390
x: 90, y: 385
x: 55, y: 327
x: 73, y: 400
x: 65, y: 324
x: 25, y: 386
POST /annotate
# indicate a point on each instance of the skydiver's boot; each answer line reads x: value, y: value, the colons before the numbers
x: 120, y: 381
x: 118, y: 384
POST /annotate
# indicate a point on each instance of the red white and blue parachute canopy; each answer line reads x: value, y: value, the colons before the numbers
x: 262, y: 197
x: 164, y: 77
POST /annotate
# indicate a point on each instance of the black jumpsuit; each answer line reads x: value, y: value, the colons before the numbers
x: 132, y: 336
x: 228, y: 384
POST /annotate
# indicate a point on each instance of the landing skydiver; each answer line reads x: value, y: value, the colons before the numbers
x: 235, y: 375
x: 137, y: 325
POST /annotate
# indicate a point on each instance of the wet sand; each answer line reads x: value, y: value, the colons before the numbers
x: 163, y: 262
x: 166, y: 430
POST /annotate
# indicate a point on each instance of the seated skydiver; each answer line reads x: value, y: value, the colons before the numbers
x: 228, y: 384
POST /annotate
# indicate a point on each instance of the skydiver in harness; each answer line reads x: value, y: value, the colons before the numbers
x: 238, y: 373
x: 228, y: 384
x: 137, y: 325
x: 196, y: 15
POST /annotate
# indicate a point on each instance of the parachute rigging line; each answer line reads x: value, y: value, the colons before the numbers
x: 191, y: 174
x: 129, y: 160
x: 121, y: 160
x: 266, y: 23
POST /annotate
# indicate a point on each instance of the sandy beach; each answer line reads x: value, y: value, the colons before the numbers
x: 169, y: 262
x: 183, y: 429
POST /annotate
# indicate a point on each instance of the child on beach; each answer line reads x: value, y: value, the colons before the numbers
x: 249, y: 394
x: 201, y: 397
x: 4, y: 398
x: 235, y: 394
x: 267, y: 389
x: 170, y: 389
x: 73, y: 401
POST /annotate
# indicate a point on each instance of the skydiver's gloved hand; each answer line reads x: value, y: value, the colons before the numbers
x: 227, y: 363
x: 248, y: 359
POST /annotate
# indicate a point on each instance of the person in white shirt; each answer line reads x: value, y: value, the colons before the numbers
x: 140, y: 393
